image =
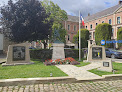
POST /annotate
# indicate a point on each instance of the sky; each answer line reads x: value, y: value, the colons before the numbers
x: 72, y: 7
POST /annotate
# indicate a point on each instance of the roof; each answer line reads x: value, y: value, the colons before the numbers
x: 73, y: 18
x: 105, y: 12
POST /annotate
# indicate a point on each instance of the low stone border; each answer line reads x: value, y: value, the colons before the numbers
x: 112, y: 76
x: 30, y: 81
x: 103, y: 78
x: 117, y: 61
x: 4, y: 64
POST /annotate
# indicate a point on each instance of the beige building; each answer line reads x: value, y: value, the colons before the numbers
x: 111, y: 15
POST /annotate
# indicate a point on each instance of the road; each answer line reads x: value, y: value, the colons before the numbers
x: 99, y: 86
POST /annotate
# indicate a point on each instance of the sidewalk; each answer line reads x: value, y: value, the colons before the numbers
x: 80, y: 73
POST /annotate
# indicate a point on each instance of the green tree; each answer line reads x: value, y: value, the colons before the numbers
x: 25, y: 20
x: 103, y: 31
x: 84, y: 38
x: 119, y: 37
x: 57, y: 15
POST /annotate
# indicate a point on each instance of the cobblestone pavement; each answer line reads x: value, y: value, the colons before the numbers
x: 80, y: 72
x: 98, y: 86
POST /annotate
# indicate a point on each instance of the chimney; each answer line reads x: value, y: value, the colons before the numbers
x: 120, y: 2
x: 88, y: 14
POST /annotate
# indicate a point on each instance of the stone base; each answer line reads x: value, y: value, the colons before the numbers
x: 4, y: 64
x: 106, y: 66
x: 58, y: 51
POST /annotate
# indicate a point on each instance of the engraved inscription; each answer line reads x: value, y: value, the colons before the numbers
x: 18, y: 53
x: 96, y: 53
x: 106, y: 64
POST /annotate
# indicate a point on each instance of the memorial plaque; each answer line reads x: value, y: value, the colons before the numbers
x: 106, y: 64
x: 97, y: 53
x: 18, y: 53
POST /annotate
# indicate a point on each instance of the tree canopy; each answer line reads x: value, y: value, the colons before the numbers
x: 58, y: 15
x: 25, y: 20
x: 84, y: 38
x: 103, y: 32
x: 119, y: 37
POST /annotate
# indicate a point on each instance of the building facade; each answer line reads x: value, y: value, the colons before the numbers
x: 111, y: 15
x: 72, y: 27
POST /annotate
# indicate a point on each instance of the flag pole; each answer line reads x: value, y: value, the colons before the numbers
x: 79, y: 39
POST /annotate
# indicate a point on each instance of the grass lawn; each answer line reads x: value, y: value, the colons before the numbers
x: 30, y: 71
x: 116, y: 66
x: 81, y: 62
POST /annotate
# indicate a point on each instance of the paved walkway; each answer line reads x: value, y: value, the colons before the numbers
x: 80, y: 73
x: 99, y: 86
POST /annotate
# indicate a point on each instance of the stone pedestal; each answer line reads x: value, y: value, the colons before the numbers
x: 58, y: 51
x: 95, y: 53
x: 18, y: 54
x: 106, y: 65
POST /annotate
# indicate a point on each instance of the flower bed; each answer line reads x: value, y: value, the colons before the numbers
x: 68, y: 60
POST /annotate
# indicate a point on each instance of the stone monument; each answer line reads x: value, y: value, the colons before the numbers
x: 97, y: 54
x: 58, y: 47
x: 106, y: 66
x: 18, y: 54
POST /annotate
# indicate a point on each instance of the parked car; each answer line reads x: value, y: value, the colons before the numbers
x: 113, y: 53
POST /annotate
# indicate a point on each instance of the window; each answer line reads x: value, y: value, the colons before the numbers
x: 118, y: 20
x: 102, y: 21
x: 90, y: 26
x: 74, y: 28
x: 96, y: 24
x: 86, y: 27
x: 89, y: 35
x: 109, y: 21
x: 118, y: 27
x: 68, y: 27
x: 112, y: 32
x: 68, y: 37
x: 93, y: 35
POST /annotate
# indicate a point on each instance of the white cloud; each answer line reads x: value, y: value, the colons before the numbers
x: 72, y: 7
x: 85, y: 6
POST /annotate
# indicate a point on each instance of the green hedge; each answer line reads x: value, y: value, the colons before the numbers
x: 103, y: 32
x: 44, y: 54
x: 119, y: 37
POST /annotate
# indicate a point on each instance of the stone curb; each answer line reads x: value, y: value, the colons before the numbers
x: 103, y: 78
x: 30, y: 81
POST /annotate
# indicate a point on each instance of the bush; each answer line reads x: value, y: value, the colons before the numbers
x: 119, y: 37
x: 42, y: 54
x: 103, y: 31
x: 45, y: 54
